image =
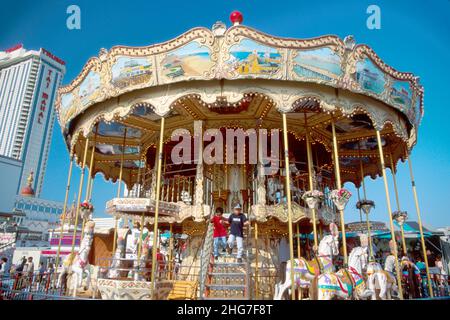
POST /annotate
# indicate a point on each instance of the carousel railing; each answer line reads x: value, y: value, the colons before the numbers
x: 276, y: 197
x: 267, y: 278
x: 129, y: 269
x: 37, y: 286
x: 173, y: 183
x: 206, y: 256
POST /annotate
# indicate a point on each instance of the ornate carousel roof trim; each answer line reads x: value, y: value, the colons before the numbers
x: 240, y: 52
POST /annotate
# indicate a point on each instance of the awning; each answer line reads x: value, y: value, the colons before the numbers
x: 412, y: 231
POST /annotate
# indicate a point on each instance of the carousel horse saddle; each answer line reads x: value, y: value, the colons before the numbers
x: 337, y: 282
x: 390, y: 277
x: 316, y: 266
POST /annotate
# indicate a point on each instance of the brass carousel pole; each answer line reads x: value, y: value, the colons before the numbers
x: 158, y: 189
x: 170, y: 224
x: 80, y: 190
x: 141, y: 231
x: 397, y: 199
x: 91, y: 173
x: 63, y: 221
x: 298, y: 242
x: 289, y: 204
x: 256, y: 262
x: 90, y: 178
x: 360, y: 211
x: 369, y: 231
x: 419, y: 220
x: 388, y: 202
x: 119, y: 182
x: 339, y: 186
x: 311, y: 184
x: 170, y: 250
x: 300, y: 297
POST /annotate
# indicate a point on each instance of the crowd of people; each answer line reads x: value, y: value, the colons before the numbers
x: 25, y: 270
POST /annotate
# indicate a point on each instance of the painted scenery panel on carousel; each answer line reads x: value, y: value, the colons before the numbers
x: 417, y: 112
x: 190, y: 61
x: 321, y: 64
x: 128, y: 71
x: 67, y: 108
x: 369, y: 144
x: 369, y: 76
x: 401, y: 95
x: 112, y: 149
x: 252, y: 58
x: 89, y: 88
x: 117, y: 130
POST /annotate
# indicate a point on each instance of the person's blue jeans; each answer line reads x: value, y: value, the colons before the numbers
x: 219, y: 241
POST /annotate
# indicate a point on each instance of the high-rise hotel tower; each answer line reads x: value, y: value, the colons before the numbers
x: 28, y: 84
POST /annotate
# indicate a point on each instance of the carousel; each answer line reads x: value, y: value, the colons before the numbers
x: 226, y: 116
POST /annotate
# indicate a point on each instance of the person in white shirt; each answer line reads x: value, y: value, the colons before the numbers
x: 3, y: 263
x: 29, y: 267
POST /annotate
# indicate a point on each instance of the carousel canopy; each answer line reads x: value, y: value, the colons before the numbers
x: 240, y: 77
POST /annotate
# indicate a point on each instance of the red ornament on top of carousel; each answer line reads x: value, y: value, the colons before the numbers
x: 236, y: 17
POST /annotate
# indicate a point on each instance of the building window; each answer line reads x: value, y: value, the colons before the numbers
x: 27, y: 207
x: 41, y: 209
x: 53, y: 210
x: 34, y: 207
x: 47, y: 210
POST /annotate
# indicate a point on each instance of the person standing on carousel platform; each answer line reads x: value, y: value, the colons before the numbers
x: 237, y: 221
x: 220, y: 232
x: 389, y: 263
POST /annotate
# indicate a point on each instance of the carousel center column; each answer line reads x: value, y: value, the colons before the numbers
x: 198, y: 159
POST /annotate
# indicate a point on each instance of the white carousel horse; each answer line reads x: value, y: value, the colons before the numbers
x: 346, y: 283
x: 305, y: 271
x: 382, y: 280
x: 77, y: 264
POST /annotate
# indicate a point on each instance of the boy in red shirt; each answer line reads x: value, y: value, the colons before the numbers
x: 220, y: 231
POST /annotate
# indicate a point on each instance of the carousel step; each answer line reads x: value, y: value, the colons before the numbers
x: 225, y: 298
x: 227, y: 274
x: 226, y: 286
x: 228, y: 264
x: 231, y: 255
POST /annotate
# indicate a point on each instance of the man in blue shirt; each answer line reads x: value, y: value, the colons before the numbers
x: 237, y: 221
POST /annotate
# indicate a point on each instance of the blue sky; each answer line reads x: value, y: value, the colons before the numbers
x: 414, y: 36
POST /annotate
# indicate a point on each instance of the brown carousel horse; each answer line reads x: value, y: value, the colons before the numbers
x: 411, y: 278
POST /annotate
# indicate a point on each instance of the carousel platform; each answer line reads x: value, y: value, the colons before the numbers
x: 114, y: 289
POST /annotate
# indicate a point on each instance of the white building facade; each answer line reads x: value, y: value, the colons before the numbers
x: 28, y: 84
